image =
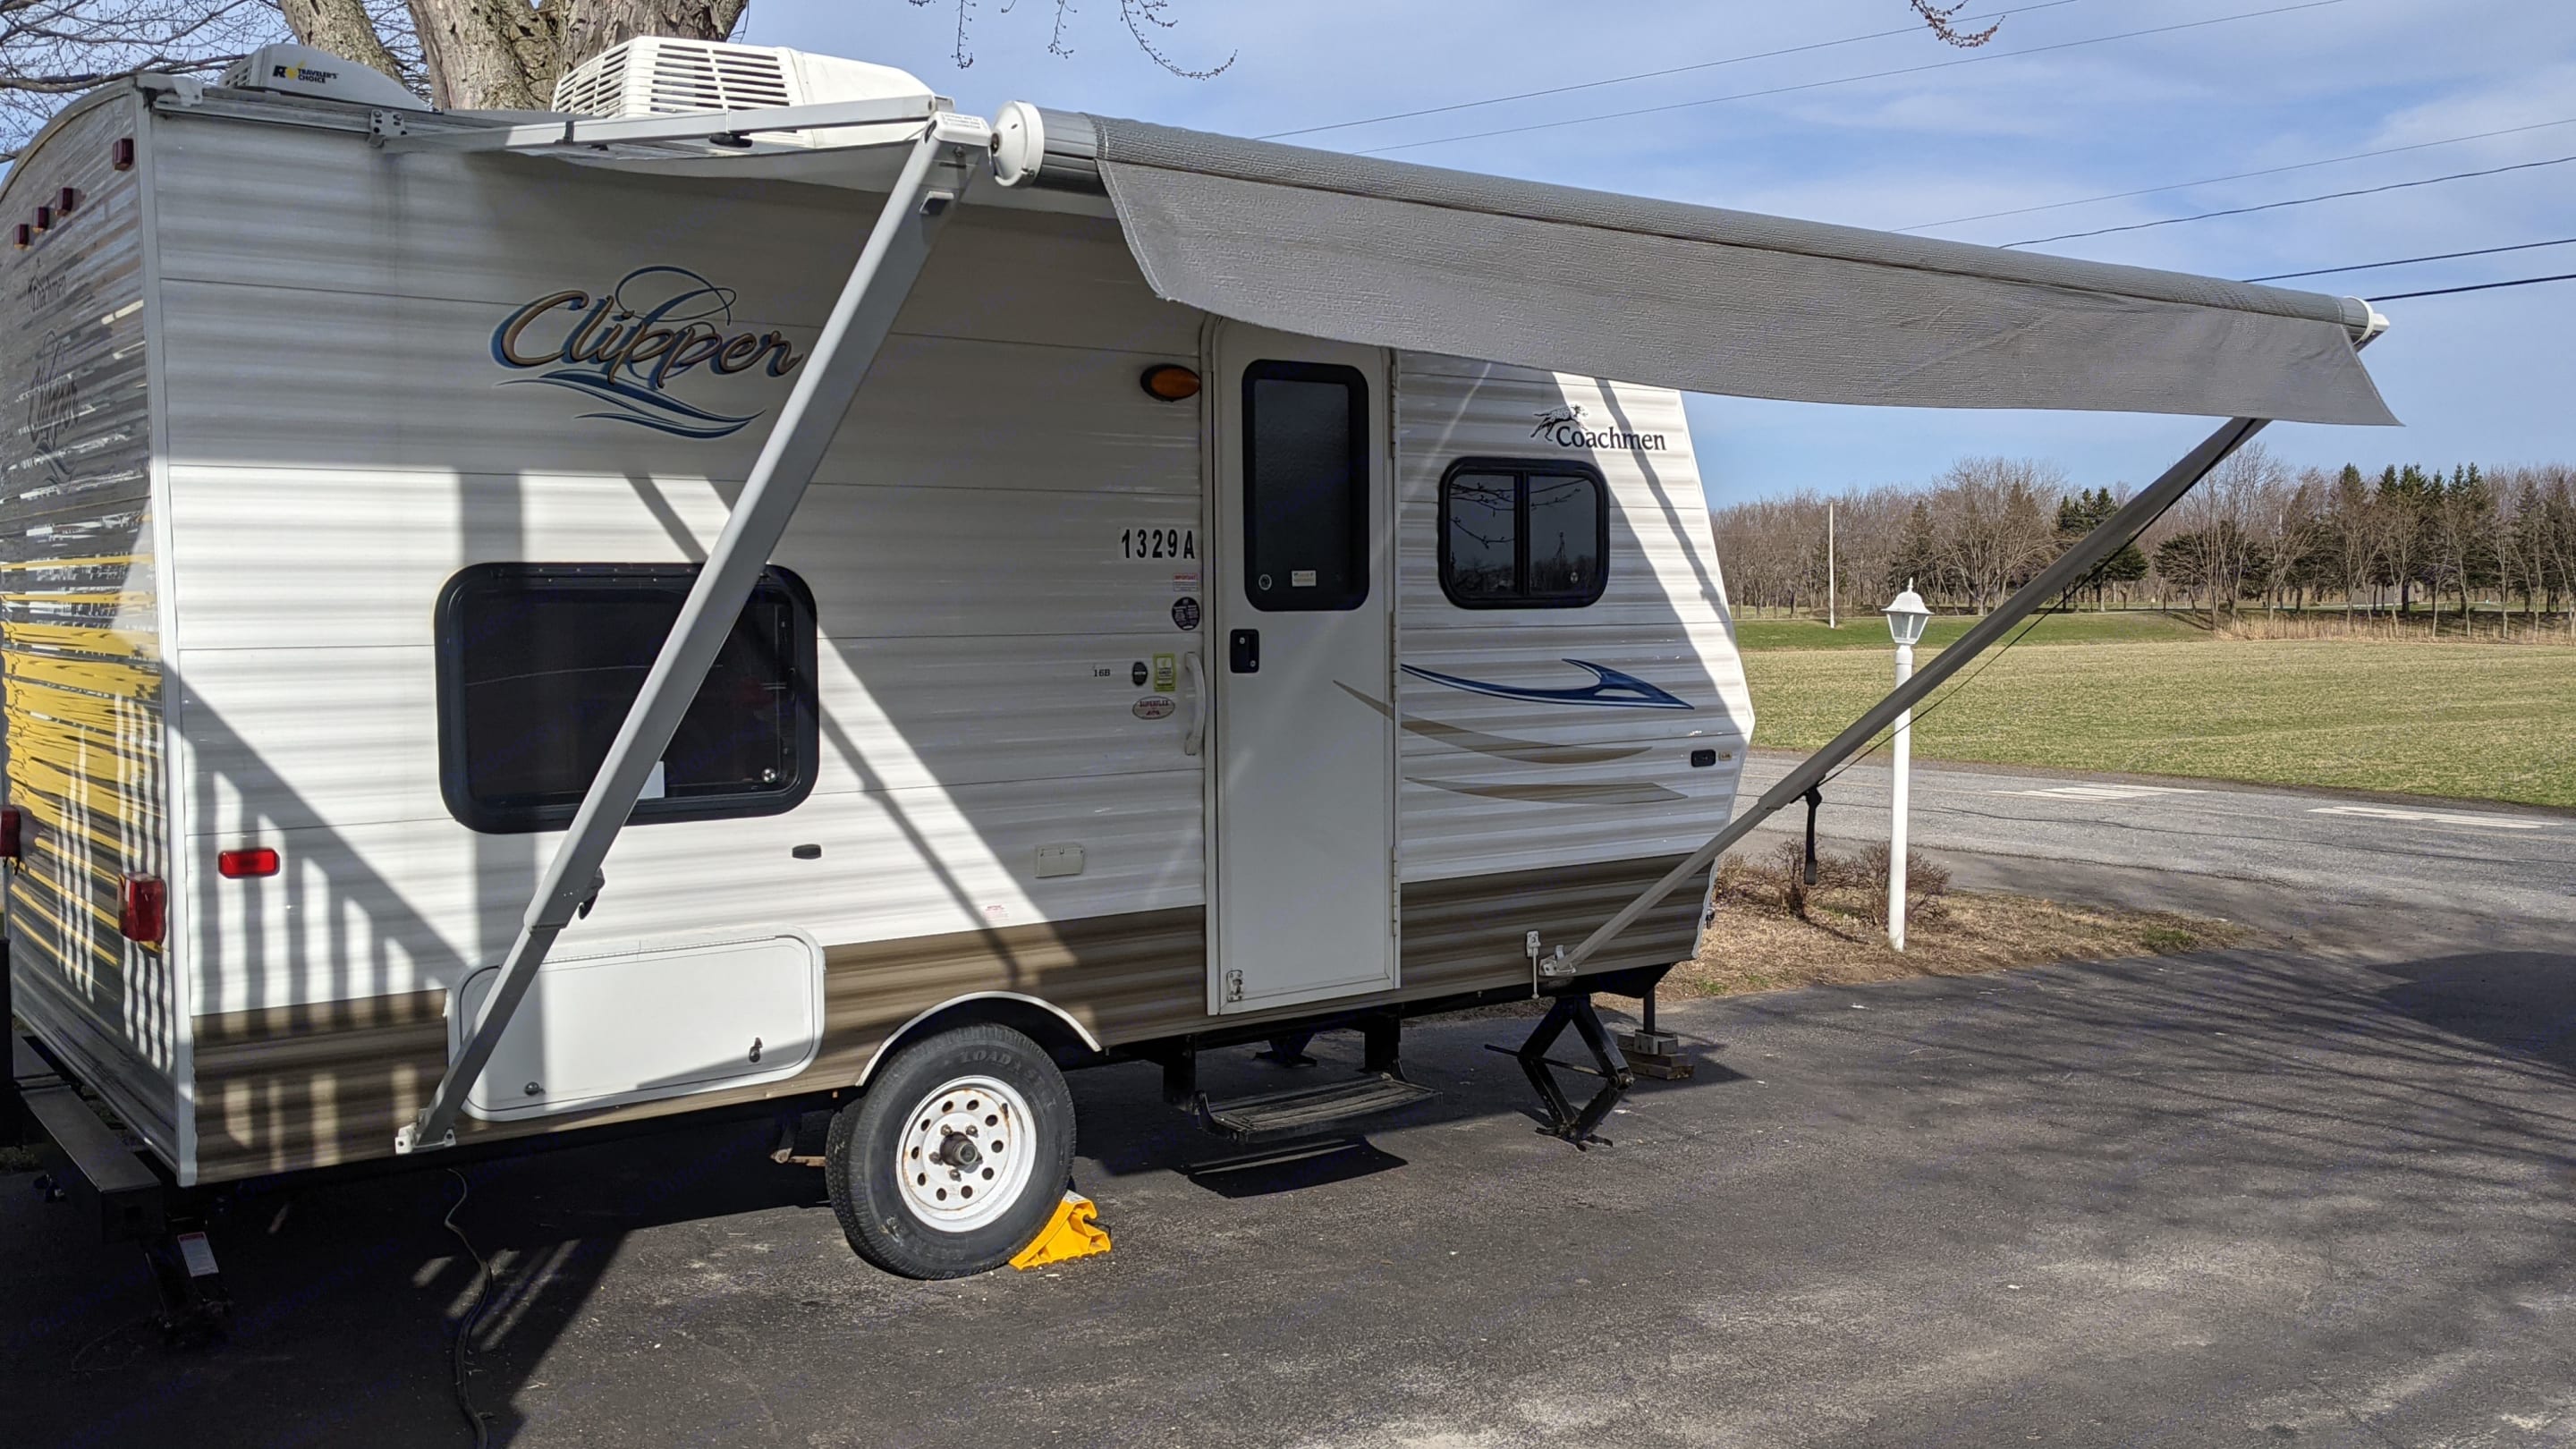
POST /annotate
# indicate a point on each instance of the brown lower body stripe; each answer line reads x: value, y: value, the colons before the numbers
x: 308, y: 1086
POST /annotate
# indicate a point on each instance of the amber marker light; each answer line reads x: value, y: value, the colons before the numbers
x: 1171, y: 382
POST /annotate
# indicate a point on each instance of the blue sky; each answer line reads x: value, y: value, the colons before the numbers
x: 2487, y: 377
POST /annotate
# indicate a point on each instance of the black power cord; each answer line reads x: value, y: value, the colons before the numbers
x: 461, y: 1352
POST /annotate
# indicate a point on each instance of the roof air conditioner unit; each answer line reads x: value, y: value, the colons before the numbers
x: 654, y: 75
x: 301, y: 70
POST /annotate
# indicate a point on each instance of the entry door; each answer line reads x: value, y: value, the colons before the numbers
x: 1302, y: 898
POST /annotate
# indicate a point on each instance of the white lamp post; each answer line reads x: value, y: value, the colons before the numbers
x: 1906, y: 617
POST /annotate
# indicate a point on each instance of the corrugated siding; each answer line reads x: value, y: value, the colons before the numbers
x: 308, y: 1086
x: 80, y: 647
x: 1495, y: 785
x: 980, y: 626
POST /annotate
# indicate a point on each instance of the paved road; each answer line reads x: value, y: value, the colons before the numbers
x: 2320, y: 1193
x: 2292, y: 855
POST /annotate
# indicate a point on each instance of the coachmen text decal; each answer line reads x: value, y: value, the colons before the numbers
x: 1563, y: 426
x: 633, y: 346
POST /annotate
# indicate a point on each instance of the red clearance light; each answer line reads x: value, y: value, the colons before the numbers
x: 10, y: 827
x: 44, y: 218
x: 143, y: 910
x: 251, y: 861
x: 68, y: 199
x: 121, y: 156
x: 26, y: 236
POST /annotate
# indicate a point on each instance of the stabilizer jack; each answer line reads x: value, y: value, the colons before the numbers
x: 1564, y: 1121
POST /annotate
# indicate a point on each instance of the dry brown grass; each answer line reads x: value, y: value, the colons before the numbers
x: 2422, y: 627
x: 1760, y: 940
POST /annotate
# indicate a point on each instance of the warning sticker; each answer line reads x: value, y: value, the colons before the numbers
x: 1167, y: 673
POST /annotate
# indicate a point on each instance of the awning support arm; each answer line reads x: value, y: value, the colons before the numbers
x: 933, y: 175
x: 2071, y: 568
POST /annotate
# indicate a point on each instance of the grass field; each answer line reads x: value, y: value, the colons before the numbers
x: 2469, y: 721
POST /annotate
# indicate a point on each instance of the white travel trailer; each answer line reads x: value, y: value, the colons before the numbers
x: 960, y: 600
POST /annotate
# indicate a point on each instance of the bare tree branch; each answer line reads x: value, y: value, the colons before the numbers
x: 1939, y: 17
x: 1141, y: 17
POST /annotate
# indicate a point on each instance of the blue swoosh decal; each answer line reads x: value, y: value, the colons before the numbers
x: 1610, y: 689
x: 641, y: 406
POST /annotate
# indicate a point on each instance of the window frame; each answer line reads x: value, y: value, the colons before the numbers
x: 1521, y: 470
x: 1272, y: 369
x: 805, y: 726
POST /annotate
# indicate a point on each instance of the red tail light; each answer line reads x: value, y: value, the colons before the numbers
x: 143, y: 912
x: 250, y: 861
x: 9, y: 829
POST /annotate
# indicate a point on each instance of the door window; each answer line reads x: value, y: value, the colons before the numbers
x: 1305, y: 487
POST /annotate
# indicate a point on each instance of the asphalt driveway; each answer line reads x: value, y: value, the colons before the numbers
x: 2319, y: 1193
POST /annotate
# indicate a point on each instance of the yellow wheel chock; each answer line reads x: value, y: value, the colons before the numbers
x: 1074, y: 1232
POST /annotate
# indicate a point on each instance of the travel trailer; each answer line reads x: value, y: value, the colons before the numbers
x: 756, y: 591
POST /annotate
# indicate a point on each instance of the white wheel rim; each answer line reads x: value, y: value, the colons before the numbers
x: 965, y: 1154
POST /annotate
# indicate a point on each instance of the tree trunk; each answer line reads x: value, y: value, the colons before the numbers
x: 342, y: 28
x: 504, y: 55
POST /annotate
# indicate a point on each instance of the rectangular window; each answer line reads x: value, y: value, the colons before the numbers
x: 539, y: 663
x: 1305, y: 486
x: 1523, y: 534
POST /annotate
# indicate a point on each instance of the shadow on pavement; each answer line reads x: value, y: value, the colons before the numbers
x: 2249, y: 1082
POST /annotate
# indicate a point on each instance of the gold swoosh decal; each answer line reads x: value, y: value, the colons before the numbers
x: 1639, y: 792
x: 1536, y: 752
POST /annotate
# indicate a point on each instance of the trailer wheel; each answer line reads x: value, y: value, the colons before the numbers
x: 956, y: 1155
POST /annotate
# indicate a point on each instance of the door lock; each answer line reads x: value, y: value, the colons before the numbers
x: 1243, y: 651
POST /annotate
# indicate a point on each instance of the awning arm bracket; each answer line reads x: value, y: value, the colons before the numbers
x: 2071, y: 568
x: 943, y: 159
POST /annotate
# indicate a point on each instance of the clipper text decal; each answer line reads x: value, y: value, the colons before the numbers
x: 635, y: 347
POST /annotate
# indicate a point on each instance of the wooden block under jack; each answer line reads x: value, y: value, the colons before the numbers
x: 1655, y: 1054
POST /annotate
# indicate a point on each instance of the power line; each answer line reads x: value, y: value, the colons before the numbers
x: 2475, y: 287
x: 2410, y: 261
x: 1850, y: 79
x: 2294, y: 201
x: 2240, y: 175
x: 1657, y: 74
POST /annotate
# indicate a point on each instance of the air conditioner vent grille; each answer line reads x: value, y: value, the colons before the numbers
x: 653, y: 75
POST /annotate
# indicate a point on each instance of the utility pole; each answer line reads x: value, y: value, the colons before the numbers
x: 1833, y: 618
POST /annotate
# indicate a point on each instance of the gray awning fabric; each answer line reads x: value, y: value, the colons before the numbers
x: 1704, y: 299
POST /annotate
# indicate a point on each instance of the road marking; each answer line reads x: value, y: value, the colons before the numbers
x: 2102, y: 792
x: 2378, y: 812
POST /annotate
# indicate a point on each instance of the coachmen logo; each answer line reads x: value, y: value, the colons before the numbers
x: 629, y: 346
x: 1563, y: 426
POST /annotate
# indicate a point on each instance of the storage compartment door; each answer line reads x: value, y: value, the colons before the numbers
x: 641, y: 1024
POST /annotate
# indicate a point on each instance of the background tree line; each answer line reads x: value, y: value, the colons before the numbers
x: 2404, y: 544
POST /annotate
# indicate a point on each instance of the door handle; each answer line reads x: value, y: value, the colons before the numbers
x: 1197, y: 732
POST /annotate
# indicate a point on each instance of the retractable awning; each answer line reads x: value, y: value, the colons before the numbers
x: 1691, y: 297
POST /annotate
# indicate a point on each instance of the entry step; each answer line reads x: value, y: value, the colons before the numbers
x: 1274, y: 1115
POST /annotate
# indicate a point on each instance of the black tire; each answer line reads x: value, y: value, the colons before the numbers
x: 861, y: 1159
